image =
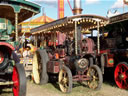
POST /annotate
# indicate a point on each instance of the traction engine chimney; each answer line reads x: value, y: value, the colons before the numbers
x: 77, y: 7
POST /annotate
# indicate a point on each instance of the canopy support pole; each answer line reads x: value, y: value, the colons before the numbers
x: 36, y: 42
x: 55, y: 39
x: 76, y: 51
x: 98, y: 37
x: 16, y: 26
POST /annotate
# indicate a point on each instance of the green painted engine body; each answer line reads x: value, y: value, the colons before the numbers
x: 6, y: 27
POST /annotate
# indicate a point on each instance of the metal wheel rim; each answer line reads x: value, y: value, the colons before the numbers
x: 36, y: 73
x: 94, y: 78
x: 121, y: 76
x: 63, y: 80
x: 16, y: 83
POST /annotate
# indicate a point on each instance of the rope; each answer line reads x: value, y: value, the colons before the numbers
x: 69, y: 5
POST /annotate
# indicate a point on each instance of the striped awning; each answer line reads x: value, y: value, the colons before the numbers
x: 43, y: 18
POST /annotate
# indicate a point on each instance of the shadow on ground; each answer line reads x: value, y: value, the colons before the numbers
x: 108, y: 77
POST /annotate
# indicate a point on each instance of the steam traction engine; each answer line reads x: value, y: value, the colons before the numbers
x: 114, y: 45
x: 68, y: 57
x: 11, y: 71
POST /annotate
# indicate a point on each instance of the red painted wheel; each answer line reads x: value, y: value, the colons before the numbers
x: 15, y: 78
x: 121, y: 75
x: 19, y: 80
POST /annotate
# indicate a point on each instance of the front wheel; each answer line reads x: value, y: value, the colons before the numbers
x: 65, y: 79
x: 96, y: 78
x: 19, y: 80
x: 121, y: 75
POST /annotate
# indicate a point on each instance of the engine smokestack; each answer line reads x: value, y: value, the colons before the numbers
x: 77, y: 7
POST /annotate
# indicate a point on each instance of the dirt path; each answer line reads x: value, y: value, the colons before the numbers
x: 51, y: 90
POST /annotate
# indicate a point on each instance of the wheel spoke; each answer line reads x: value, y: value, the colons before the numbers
x: 118, y: 79
x: 93, y: 84
x: 126, y: 73
x: 120, y: 75
x: 92, y: 72
x: 65, y: 85
x: 64, y: 80
x: 64, y: 74
x: 121, y: 82
x: 95, y: 74
x: 95, y: 79
x: 125, y: 82
x: 61, y: 82
x: 121, y: 69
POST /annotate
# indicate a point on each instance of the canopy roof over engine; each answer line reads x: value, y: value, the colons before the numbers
x: 25, y: 9
x: 118, y: 26
x: 67, y: 24
x: 118, y: 18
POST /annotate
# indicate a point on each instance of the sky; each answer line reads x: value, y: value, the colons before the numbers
x: 97, y: 7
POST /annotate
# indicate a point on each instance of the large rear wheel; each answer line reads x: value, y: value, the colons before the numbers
x: 19, y: 80
x: 96, y: 78
x: 65, y: 79
x: 36, y: 73
x: 121, y: 75
x: 40, y: 75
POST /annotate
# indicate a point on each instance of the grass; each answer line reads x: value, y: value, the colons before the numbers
x: 106, y: 90
x: 78, y: 90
